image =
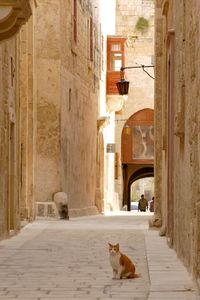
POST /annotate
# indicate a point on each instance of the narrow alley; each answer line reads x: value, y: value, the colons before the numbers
x: 60, y: 259
x: 99, y: 143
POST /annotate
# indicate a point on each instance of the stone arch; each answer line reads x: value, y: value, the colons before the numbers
x: 141, y: 173
x: 137, y: 160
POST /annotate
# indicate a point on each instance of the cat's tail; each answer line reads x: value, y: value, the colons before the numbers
x: 134, y: 275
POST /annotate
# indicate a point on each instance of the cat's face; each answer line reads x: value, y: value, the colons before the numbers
x: 113, y: 249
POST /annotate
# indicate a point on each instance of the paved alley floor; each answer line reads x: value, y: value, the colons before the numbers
x: 60, y: 259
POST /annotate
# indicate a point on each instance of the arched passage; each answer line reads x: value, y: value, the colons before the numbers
x: 139, y: 174
x: 137, y: 150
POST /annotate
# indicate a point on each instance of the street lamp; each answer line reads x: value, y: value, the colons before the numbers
x: 123, y: 84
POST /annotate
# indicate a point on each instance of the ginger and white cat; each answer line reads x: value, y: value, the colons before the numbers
x: 122, y: 265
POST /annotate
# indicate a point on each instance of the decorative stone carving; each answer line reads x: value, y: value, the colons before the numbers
x: 115, y: 103
x: 130, y: 42
x: 13, y: 14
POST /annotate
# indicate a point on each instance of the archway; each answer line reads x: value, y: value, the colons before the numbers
x: 137, y: 149
x: 141, y: 173
x: 139, y: 179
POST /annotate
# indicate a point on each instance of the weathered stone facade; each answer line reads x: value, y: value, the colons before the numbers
x: 49, y: 95
x: 67, y: 103
x: 139, y: 50
x: 177, y: 127
x: 27, y: 119
x: 12, y: 98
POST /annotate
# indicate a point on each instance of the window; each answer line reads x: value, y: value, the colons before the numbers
x: 115, y: 54
x: 75, y: 21
x: 115, y: 47
x: 115, y: 60
x: 116, y: 57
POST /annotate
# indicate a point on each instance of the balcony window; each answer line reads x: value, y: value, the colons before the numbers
x: 115, y: 60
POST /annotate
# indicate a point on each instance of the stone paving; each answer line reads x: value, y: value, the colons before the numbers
x: 60, y: 259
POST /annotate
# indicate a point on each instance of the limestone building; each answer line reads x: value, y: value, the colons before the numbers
x: 68, y: 70
x: 50, y: 71
x: 132, y: 45
x: 16, y: 115
x: 177, y: 110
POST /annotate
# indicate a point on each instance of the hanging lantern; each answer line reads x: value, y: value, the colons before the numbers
x: 122, y: 85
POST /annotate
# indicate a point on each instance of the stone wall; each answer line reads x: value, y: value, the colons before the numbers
x: 80, y: 78
x: 8, y: 119
x: 179, y: 23
x: 67, y: 103
x: 47, y: 52
x: 27, y: 119
x: 12, y: 16
x: 49, y: 94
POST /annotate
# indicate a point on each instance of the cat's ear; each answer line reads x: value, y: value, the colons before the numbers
x: 109, y: 245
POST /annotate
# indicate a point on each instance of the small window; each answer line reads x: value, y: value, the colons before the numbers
x: 116, y: 61
x: 115, y: 54
x: 116, y: 47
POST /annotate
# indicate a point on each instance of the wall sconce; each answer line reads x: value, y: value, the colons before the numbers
x: 123, y: 84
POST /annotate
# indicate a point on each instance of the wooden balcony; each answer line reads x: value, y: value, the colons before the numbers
x: 112, y: 78
x: 115, y: 60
